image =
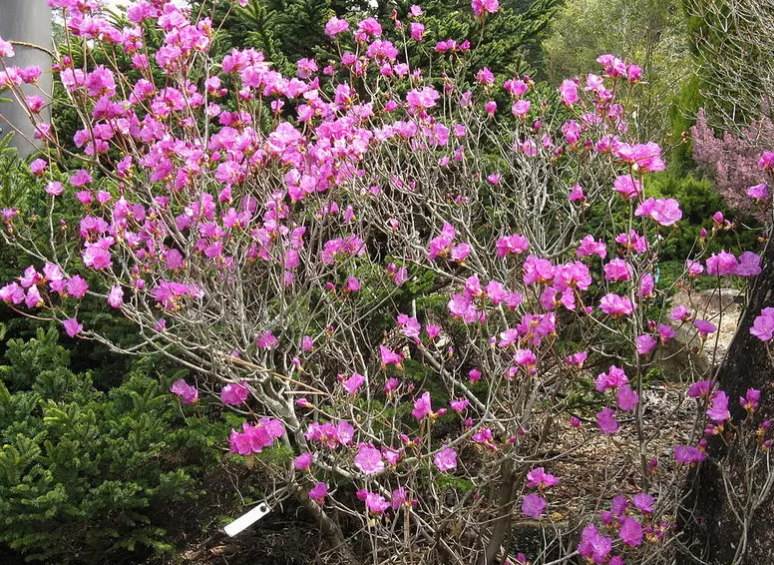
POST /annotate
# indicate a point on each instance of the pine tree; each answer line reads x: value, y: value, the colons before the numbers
x: 87, y: 476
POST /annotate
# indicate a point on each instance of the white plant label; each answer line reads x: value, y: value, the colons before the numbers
x: 247, y: 520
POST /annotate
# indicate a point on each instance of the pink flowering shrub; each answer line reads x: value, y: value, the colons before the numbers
x: 254, y: 226
x: 733, y: 161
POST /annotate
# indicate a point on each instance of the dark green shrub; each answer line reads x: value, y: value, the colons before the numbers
x: 698, y: 200
x: 89, y: 476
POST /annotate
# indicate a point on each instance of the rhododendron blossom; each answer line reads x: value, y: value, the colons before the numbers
x: 234, y: 393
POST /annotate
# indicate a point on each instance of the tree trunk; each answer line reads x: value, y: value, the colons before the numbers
x: 711, y: 524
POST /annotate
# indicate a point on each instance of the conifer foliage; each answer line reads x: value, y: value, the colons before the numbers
x: 88, y: 476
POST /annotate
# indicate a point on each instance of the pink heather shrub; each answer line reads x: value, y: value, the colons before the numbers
x: 733, y: 161
x: 330, y: 251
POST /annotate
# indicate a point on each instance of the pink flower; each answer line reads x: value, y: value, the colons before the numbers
x: 38, y: 166
x: 705, y: 328
x: 688, y: 454
x: 666, y: 333
x: 718, y: 410
x: 439, y: 246
x: 369, y: 26
x: 446, y: 459
x: 759, y: 191
x: 700, y: 389
x: 751, y: 400
x: 485, y: 76
x: 423, y: 99
x: 422, y: 407
x: 594, y: 546
x: 54, y: 188
x: 645, y: 344
x: 460, y: 252
x: 525, y: 358
x: 254, y: 438
x: 303, y: 461
x: 631, y: 532
x: 589, y: 246
x: 187, y: 393
x: 116, y: 297
x: 33, y: 300
x: 576, y: 359
x: 417, y: 31
x: 766, y: 161
x: 569, y: 92
x: 627, y: 399
x: 474, y: 375
x: 459, y: 404
x: 606, y: 421
x: 749, y: 265
x: 722, y: 264
x: 400, y: 276
x: 6, y: 49
x: 533, y: 506
x: 576, y: 193
x: 353, y: 383
x: 521, y: 108
x: 77, y: 287
x: 483, y: 7
x: 234, y: 394
x: 391, y: 384
x: 575, y: 422
x: 538, y: 271
x: 627, y: 186
x: 694, y: 268
x: 618, y: 270
x: 267, y: 340
x: 615, y: 305
x: 632, y: 241
x: 763, y: 326
x: 572, y: 131
x: 680, y: 313
x: 647, y: 286
x: 665, y: 211
x: 539, y: 478
x: 352, y: 285
x: 376, y: 503
x: 12, y: 293
x: 97, y: 255
x: 643, y: 502
x: 633, y: 74
x: 511, y: 245
x: 80, y: 178
x: 335, y: 26
x: 72, y: 327
x: 389, y: 357
x: 647, y: 156
x: 319, y: 493
x: 369, y: 460
x: 515, y: 87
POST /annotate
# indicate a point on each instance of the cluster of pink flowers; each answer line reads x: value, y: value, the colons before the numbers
x: 256, y: 438
x: 293, y: 234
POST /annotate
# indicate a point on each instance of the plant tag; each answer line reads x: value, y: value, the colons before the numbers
x: 247, y: 520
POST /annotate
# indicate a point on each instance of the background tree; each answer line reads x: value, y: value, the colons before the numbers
x: 651, y: 32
